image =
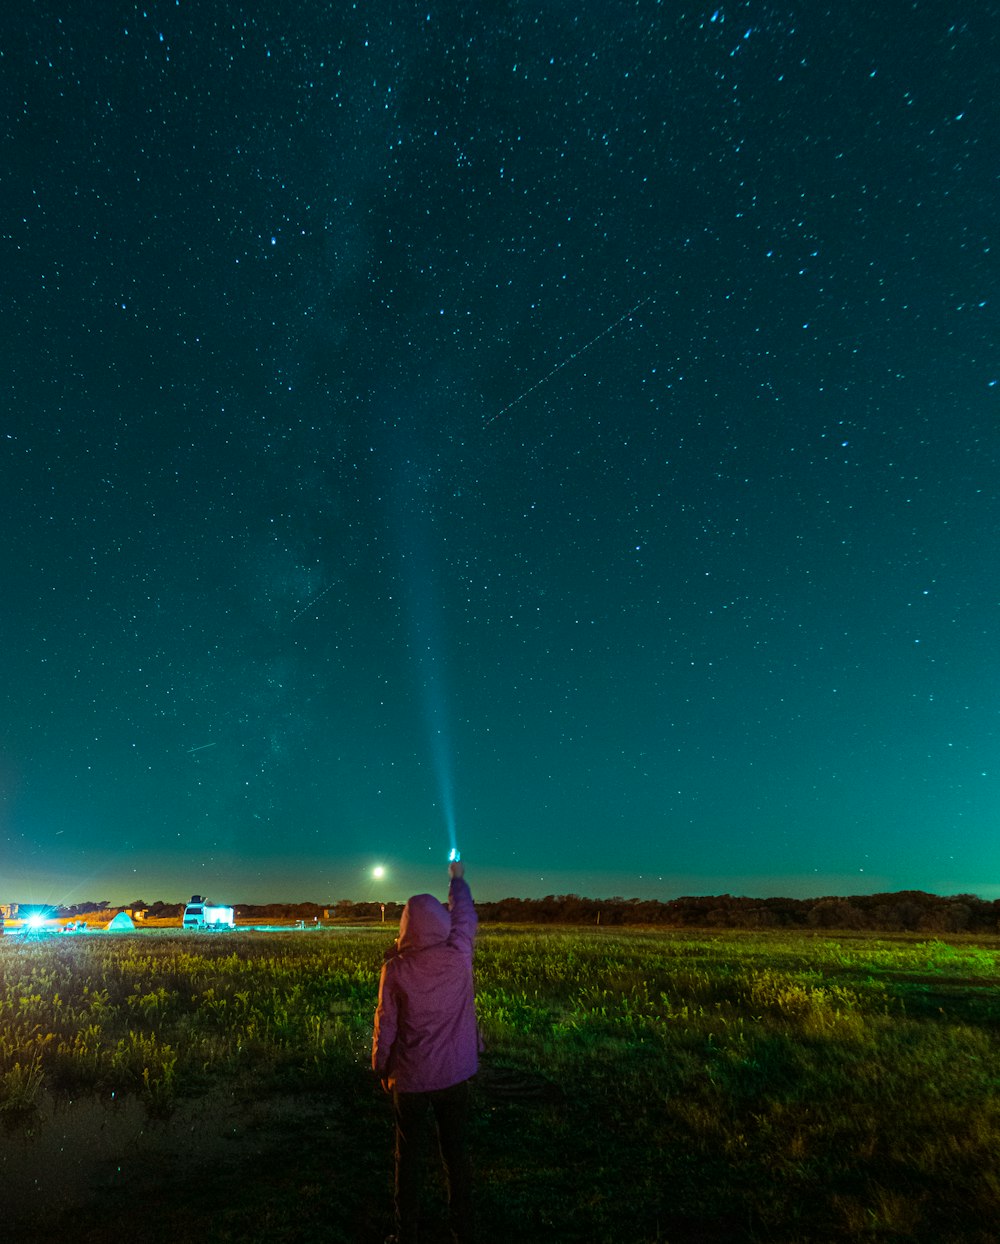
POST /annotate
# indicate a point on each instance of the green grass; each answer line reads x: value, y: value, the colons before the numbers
x: 637, y: 1086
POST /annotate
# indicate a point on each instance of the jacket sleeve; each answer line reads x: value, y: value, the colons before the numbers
x: 385, y: 1024
x: 464, y: 920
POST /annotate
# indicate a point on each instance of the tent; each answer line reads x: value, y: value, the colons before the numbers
x: 122, y: 923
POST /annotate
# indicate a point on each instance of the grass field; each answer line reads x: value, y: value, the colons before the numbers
x: 637, y: 1086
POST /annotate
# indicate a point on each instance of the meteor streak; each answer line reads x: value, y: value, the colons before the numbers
x: 569, y: 359
x: 309, y: 604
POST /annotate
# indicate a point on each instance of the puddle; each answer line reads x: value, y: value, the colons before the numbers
x: 72, y: 1153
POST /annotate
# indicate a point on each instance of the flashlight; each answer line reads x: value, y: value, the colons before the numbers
x: 453, y: 855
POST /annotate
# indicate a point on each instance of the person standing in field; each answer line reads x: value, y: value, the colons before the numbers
x: 426, y: 1048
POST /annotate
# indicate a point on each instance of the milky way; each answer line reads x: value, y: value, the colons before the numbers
x: 713, y: 604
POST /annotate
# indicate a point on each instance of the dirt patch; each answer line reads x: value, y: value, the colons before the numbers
x: 503, y: 1084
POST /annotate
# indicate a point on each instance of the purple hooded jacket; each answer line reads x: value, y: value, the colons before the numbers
x: 425, y: 1023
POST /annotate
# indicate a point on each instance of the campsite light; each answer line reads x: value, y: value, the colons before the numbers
x: 378, y: 872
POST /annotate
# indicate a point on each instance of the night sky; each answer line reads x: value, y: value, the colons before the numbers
x: 574, y: 423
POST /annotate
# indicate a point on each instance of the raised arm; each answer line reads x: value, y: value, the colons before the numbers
x: 464, y: 920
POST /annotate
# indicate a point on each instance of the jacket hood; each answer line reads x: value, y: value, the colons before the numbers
x: 425, y: 922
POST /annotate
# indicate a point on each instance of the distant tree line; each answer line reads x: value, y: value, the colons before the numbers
x: 903, y: 911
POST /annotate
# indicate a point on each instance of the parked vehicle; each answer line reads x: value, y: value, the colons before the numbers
x: 201, y: 914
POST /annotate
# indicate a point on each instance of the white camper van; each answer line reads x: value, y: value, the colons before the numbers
x: 201, y: 914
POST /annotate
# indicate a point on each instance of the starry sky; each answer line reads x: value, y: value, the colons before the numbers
x: 568, y: 426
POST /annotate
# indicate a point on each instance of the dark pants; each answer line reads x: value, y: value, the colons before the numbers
x: 450, y: 1108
